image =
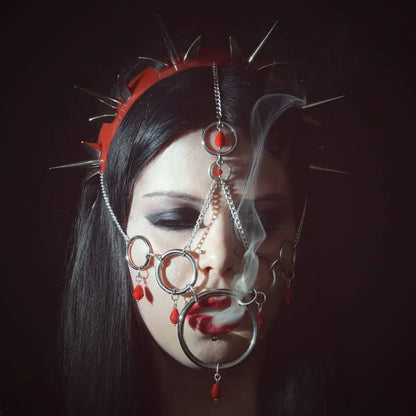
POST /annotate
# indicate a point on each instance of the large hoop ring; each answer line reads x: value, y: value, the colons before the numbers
x: 187, y: 351
x: 210, y: 149
x: 293, y: 260
x: 129, y: 247
x: 159, y: 268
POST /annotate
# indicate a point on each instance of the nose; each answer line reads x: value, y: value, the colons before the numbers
x: 223, y: 252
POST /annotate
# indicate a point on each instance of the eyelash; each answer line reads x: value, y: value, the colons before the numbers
x: 185, y: 218
x: 174, y: 219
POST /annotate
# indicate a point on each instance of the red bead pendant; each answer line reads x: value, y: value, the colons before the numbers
x: 219, y: 172
x: 216, y: 391
x: 288, y: 294
x: 174, y: 316
x: 219, y: 139
x: 260, y: 319
x: 138, y: 292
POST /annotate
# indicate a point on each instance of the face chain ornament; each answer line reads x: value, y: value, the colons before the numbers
x: 218, y: 139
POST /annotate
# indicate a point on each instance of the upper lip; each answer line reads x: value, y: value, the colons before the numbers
x: 210, y: 303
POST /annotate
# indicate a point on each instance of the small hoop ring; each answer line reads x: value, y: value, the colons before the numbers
x: 241, y: 303
x: 158, y: 271
x: 211, y: 171
x: 219, y: 152
x: 129, y: 247
x: 186, y: 350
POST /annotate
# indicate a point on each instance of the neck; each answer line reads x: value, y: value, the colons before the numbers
x: 185, y: 391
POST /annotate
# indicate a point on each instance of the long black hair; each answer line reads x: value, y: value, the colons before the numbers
x: 108, y: 369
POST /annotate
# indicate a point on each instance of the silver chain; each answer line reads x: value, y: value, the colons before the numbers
x: 217, y: 94
x: 301, y: 222
x: 109, y: 209
x: 234, y: 213
x: 202, y: 214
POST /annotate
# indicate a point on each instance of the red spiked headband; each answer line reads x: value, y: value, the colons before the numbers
x: 156, y: 71
x: 143, y: 81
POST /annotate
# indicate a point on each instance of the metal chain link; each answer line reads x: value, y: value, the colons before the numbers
x: 301, y: 222
x: 109, y: 209
x: 234, y: 213
x: 202, y: 213
x: 217, y: 94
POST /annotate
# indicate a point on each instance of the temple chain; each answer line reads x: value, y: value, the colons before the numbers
x: 108, y: 205
x: 301, y: 222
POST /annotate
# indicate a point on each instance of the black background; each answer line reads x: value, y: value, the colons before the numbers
x: 362, y: 49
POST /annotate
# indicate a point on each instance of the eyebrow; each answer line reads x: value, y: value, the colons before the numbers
x: 173, y: 194
x: 187, y: 197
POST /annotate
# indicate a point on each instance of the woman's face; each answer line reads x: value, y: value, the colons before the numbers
x: 167, y: 198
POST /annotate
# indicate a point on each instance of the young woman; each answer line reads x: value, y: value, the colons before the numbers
x: 185, y: 244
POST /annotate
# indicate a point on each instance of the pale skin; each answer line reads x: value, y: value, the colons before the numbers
x: 166, y: 200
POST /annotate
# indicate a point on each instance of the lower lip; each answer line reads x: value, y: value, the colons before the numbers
x: 203, y: 323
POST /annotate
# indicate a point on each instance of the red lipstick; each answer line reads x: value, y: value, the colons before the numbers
x: 198, y: 319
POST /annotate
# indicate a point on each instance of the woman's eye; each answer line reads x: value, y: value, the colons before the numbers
x: 271, y: 220
x: 174, y: 219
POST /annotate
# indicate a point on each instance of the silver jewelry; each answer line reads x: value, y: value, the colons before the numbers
x: 182, y: 320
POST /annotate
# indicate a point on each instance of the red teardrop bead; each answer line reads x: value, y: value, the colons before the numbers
x: 288, y: 294
x: 219, y: 172
x: 138, y: 292
x: 219, y: 139
x: 260, y: 319
x: 174, y: 316
x: 215, y: 391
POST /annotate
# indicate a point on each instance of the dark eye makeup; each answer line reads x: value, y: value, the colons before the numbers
x: 174, y: 219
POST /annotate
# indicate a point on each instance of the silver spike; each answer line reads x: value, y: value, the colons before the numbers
x: 303, y: 107
x: 257, y: 50
x: 102, y: 116
x: 324, y: 169
x: 91, y: 175
x: 271, y: 65
x: 124, y: 91
x: 235, y: 50
x: 85, y: 164
x: 154, y: 63
x: 92, y: 151
x: 173, y: 55
x: 111, y: 102
x: 193, y: 50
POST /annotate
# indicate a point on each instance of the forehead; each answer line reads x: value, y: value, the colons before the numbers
x: 183, y: 166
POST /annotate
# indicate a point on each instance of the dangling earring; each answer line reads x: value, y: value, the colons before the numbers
x: 288, y: 292
x: 174, y: 315
x: 138, y: 292
x: 215, y: 389
x: 260, y: 315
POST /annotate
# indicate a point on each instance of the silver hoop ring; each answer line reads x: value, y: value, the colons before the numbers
x: 241, y: 303
x: 158, y: 271
x: 129, y: 247
x: 213, y: 151
x: 293, y: 262
x: 187, y: 351
x: 215, y: 176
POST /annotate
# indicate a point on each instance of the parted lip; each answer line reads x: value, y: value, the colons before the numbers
x: 198, y: 319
